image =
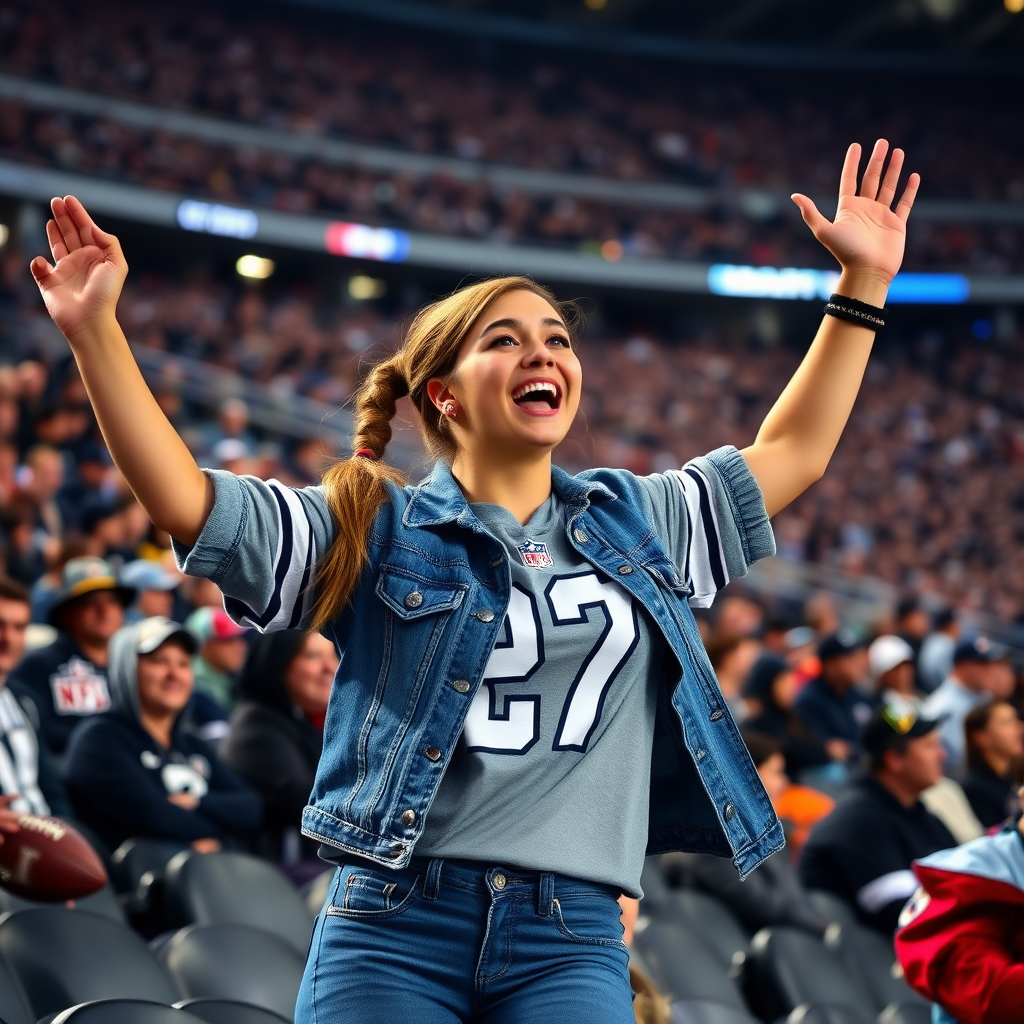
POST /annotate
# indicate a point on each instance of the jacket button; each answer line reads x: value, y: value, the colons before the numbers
x: 485, y: 615
x: 413, y: 600
x: 716, y: 715
x: 460, y: 685
x: 580, y: 536
x: 729, y: 810
x: 408, y: 818
x: 500, y: 881
x: 625, y: 570
x: 432, y: 754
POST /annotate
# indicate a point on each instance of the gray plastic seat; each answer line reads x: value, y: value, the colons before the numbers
x: 228, y: 1011
x: 906, y: 1013
x: 120, y: 1011
x: 60, y: 959
x: 788, y: 970
x: 314, y: 894
x: 705, y: 916
x: 690, y: 1011
x: 234, y: 888
x: 652, y: 881
x: 13, y: 1008
x: 871, y: 958
x: 105, y: 903
x: 138, y: 857
x: 832, y: 907
x: 823, y: 1015
x: 235, y: 962
x: 683, y: 967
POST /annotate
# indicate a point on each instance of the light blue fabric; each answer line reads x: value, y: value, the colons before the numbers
x: 424, y: 621
x: 951, y: 703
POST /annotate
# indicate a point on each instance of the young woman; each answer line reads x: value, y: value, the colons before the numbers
x: 524, y: 706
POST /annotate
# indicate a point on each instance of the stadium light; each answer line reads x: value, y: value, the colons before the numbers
x: 596, y: 5
x: 1014, y: 6
x: 362, y: 287
x: 256, y: 268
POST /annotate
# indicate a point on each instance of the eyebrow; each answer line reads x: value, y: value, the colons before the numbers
x: 511, y: 321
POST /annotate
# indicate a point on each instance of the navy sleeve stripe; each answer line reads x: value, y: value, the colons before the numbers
x: 710, y: 544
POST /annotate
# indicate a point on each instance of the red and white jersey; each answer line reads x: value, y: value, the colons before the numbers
x: 961, y: 936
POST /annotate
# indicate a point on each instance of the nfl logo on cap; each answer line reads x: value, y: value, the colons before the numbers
x: 535, y: 555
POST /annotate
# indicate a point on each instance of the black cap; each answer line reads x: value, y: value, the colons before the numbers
x: 835, y: 645
x: 978, y: 649
x: 893, y: 722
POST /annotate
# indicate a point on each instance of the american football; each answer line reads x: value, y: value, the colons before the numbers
x: 50, y: 861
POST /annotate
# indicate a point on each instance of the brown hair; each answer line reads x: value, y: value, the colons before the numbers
x: 357, y: 487
x: 977, y: 721
x: 649, y: 1005
x: 13, y: 590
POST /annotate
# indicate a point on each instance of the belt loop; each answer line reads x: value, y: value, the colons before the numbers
x: 432, y: 883
x: 545, y: 894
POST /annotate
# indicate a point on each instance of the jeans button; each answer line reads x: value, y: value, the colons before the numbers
x: 730, y: 811
x: 460, y: 685
x: 408, y: 818
x: 413, y: 599
x: 500, y: 881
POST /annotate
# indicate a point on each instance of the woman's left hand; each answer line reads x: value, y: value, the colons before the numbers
x: 867, y: 235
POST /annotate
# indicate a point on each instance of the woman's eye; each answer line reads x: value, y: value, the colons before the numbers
x: 557, y: 339
x: 505, y: 341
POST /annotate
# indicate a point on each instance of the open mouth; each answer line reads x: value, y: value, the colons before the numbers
x: 538, y: 397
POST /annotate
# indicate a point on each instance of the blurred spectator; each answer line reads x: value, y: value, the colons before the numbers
x: 935, y: 661
x: 67, y: 680
x: 154, y: 588
x: 770, y: 691
x: 276, y: 736
x: 222, y: 651
x: 832, y: 705
x: 26, y: 769
x: 964, y: 689
x: 912, y: 623
x: 994, y: 737
x: 136, y: 771
x: 891, y: 664
x: 961, y: 938
x: 649, y: 1005
x: 772, y: 895
x: 731, y: 656
x: 863, y: 850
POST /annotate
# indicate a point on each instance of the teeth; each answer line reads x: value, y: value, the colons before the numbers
x: 537, y: 386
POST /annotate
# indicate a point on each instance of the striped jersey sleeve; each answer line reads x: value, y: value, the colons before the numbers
x: 711, y: 519
x: 260, y: 545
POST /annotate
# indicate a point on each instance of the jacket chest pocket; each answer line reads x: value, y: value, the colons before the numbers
x: 411, y: 597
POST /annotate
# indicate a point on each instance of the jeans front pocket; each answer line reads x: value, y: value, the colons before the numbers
x: 368, y: 892
x: 590, y: 919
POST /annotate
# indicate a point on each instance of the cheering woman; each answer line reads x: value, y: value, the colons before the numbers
x: 524, y: 707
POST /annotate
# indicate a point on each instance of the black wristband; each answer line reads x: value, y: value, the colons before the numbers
x: 842, y: 307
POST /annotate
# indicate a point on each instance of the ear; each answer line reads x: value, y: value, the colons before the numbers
x: 438, y: 392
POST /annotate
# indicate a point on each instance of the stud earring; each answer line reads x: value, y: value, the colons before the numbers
x: 448, y: 408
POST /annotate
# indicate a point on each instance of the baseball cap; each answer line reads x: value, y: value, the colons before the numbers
x: 213, y: 624
x: 887, y: 652
x: 980, y: 648
x: 894, y: 721
x: 835, y: 645
x: 143, y: 574
x: 156, y: 630
x: 84, y: 575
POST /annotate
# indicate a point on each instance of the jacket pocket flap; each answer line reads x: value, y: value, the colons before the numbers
x: 411, y: 598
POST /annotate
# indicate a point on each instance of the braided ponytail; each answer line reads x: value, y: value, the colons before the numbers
x: 357, y: 487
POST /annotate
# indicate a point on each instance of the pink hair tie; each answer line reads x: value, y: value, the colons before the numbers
x: 365, y: 453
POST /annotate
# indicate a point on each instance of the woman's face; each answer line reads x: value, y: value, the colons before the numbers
x: 165, y: 679
x: 310, y: 673
x: 517, y: 382
x: 784, y: 689
x: 1004, y: 734
x: 773, y: 776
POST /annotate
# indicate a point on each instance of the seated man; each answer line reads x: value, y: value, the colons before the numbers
x: 863, y: 850
x: 137, y: 771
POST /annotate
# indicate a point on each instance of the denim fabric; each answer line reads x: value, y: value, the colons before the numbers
x: 457, y: 942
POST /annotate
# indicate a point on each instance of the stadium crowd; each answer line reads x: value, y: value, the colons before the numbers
x: 379, y: 86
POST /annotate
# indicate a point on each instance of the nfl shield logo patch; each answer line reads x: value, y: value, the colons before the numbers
x: 535, y: 555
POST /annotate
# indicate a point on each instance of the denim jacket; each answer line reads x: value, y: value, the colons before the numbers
x: 422, y: 624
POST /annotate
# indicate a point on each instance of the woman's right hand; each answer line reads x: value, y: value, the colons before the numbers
x: 83, y: 285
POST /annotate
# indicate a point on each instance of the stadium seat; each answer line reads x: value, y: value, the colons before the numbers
x: 788, y: 969
x: 652, y: 881
x: 13, y: 1008
x: 105, y: 903
x: 823, y: 1015
x: 60, y: 959
x: 683, y: 967
x: 235, y: 888
x: 870, y: 958
x: 233, y: 961
x: 121, y: 1011
x: 713, y: 921
x: 907, y: 1013
x: 228, y: 1011
x: 832, y: 907
x: 315, y: 893
x: 699, y: 1011
x: 134, y: 858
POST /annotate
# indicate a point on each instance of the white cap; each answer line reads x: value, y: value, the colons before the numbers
x: 887, y: 652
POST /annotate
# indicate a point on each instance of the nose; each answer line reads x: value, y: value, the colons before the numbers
x: 536, y: 353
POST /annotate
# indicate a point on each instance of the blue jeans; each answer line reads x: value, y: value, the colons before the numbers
x: 461, y: 942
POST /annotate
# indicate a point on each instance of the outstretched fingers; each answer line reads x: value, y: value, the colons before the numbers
x: 873, y: 171
x: 41, y: 270
x: 906, y: 203
x: 892, y: 178
x: 810, y: 213
x: 56, y: 240
x: 65, y: 224
x: 848, y: 179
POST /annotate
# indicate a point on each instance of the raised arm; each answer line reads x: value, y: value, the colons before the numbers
x: 867, y: 237
x: 81, y: 291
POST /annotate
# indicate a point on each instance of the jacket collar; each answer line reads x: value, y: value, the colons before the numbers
x: 440, y: 500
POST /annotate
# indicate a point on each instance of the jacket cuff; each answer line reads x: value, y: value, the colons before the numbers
x: 747, y: 501
x: 218, y: 541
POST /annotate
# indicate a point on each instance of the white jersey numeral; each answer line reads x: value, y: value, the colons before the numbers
x: 501, y: 723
